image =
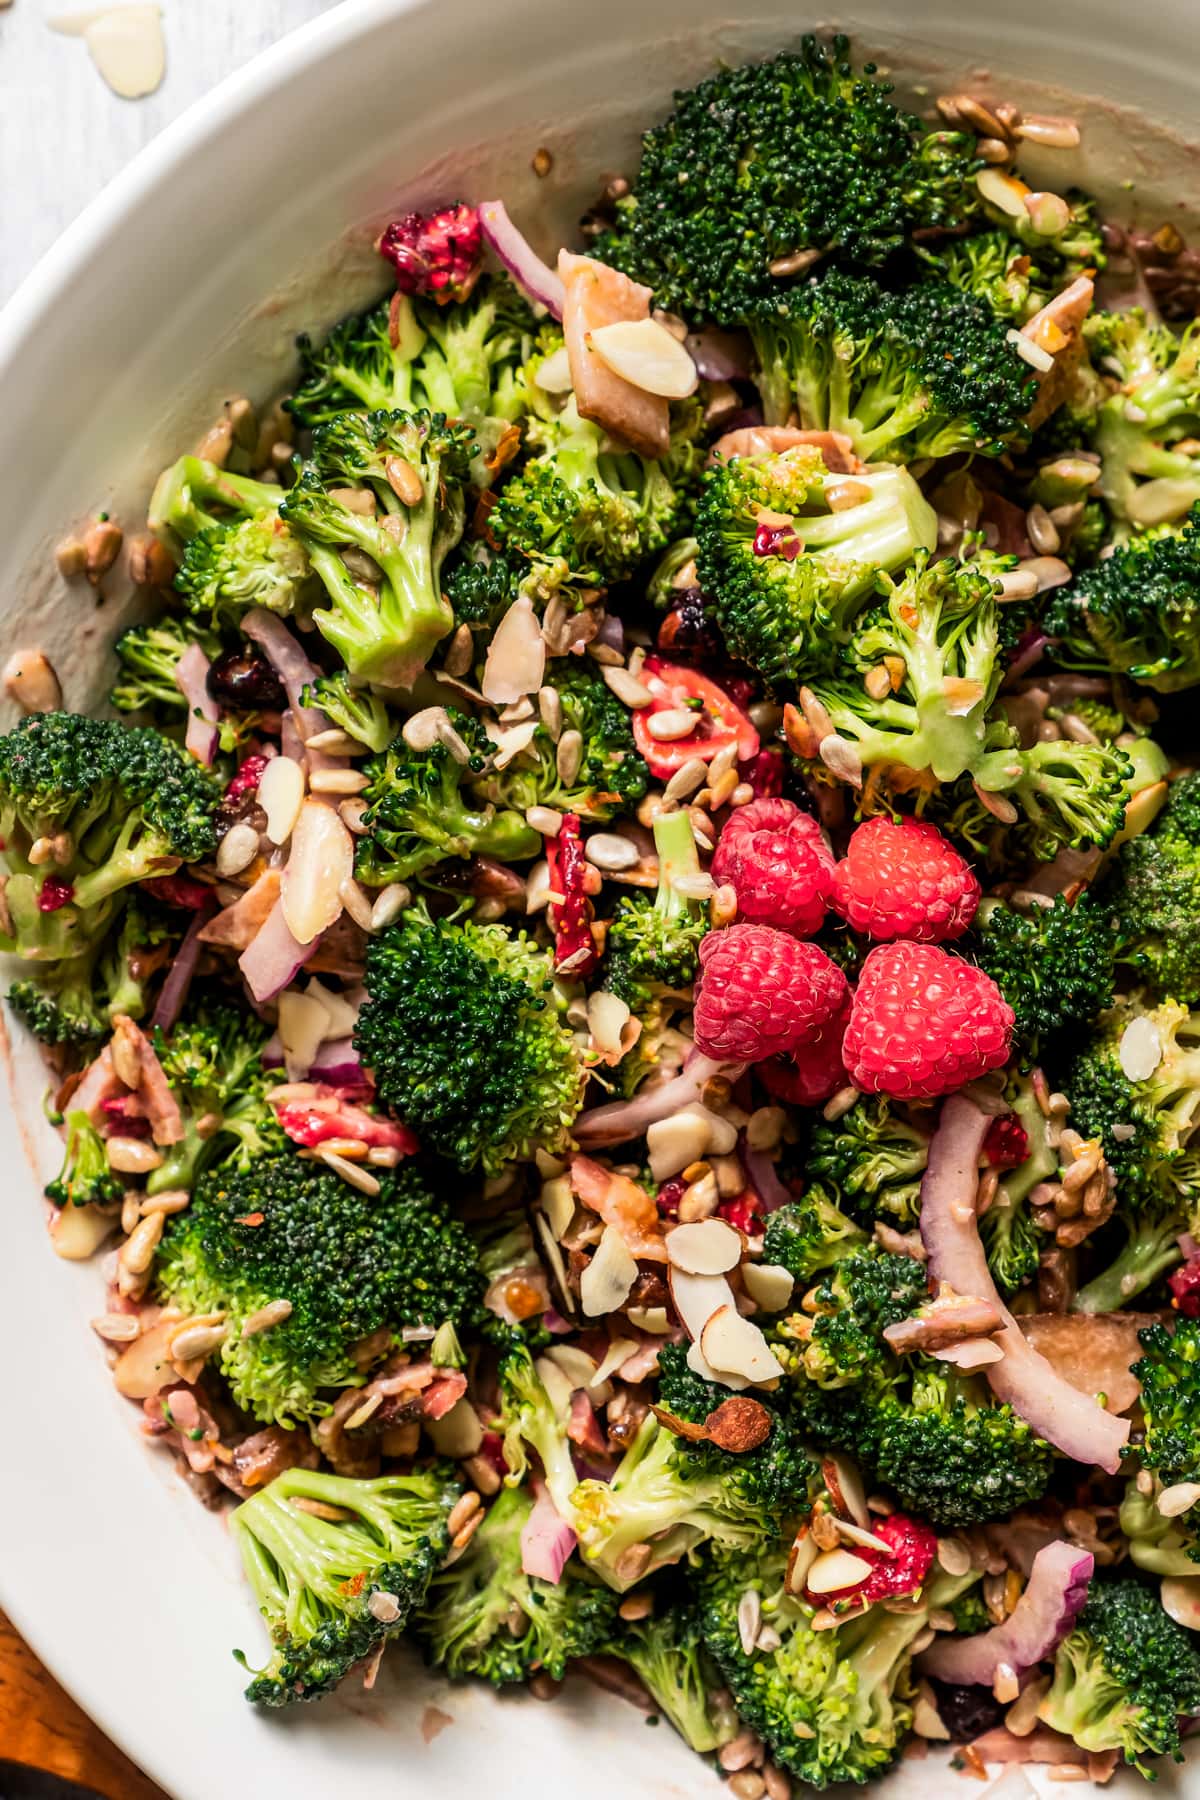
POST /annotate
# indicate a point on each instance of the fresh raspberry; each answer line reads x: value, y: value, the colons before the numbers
x: 744, y: 1213
x: 812, y: 1072
x: 761, y: 991
x: 1006, y: 1145
x: 778, y: 864
x: 901, y: 879
x: 914, y: 1546
x: 924, y: 1022
x: 1185, y: 1288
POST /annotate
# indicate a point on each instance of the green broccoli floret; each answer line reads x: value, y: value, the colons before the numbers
x: 364, y: 365
x: 871, y: 1160
x: 1054, y: 965
x: 471, y: 365
x: 85, y: 1178
x: 1149, y: 474
x: 652, y: 948
x: 1011, y: 1241
x: 786, y: 596
x: 591, y: 768
x: 1169, y: 1372
x: 419, y: 810
x: 992, y: 268
x: 357, y: 711
x: 482, y: 584
x: 73, y: 1002
x: 483, y: 1616
x: 120, y: 804
x: 213, y: 1060
x: 1153, y: 895
x: 528, y: 1421
x: 941, y: 622
x: 667, y: 1651
x: 195, y: 496
x: 1124, y: 1677
x: 856, y: 1301
x: 149, y: 656
x: 832, y: 1706
x: 254, y: 561
x: 780, y: 1476
x: 810, y: 1234
x: 1137, y: 613
x: 765, y: 161
x: 463, y: 1031
x: 1158, y: 1545
x: 1157, y: 1172
x: 928, y: 371
x: 383, y: 635
x: 349, y: 1264
x: 333, y: 1591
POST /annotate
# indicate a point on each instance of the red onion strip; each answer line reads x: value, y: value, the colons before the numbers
x: 191, y: 678
x: 296, y: 673
x: 523, y: 263
x: 1054, y: 1596
x: 175, y: 988
x: 546, y: 1541
x: 761, y: 1173
x: 720, y: 355
x: 621, y: 1120
x: 1069, y: 1420
x: 274, y: 958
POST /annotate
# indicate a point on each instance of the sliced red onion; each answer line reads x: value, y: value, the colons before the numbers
x: 1026, y: 657
x: 546, y: 1540
x: 296, y: 673
x: 620, y: 1120
x: 555, y: 1324
x: 191, y: 678
x: 337, y: 1063
x: 523, y: 263
x: 175, y: 987
x: 612, y: 633
x: 720, y: 355
x: 274, y: 958
x: 764, y: 1179
x: 1054, y: 1597
x: 1069, y: 1420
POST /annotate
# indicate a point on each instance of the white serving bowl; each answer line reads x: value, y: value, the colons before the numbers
x: 248, y: 220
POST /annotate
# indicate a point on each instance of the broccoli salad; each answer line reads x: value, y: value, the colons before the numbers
x: 621, y: 975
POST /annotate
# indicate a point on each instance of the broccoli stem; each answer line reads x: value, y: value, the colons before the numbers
x: 1150, y: 1252
x: 677, y: 855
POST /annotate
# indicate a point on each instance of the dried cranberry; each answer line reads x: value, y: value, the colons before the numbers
x: 53, y: 893
x: 179, y: 890
x: 438, y: 256
x: 777, y: 540
x: 742, y: 1212
x: 1006, y: 1145
x: 245, y: 682
x: 247, y: 778
x: 668, y: 1197
x: 1185, y: 1288
x: 764, y: 773
x: 966, y: 1712
x: 687, y: 630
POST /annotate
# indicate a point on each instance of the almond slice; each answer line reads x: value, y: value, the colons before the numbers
x: 836, y: 1569
x: 320, y: 860
x: 643, y: 352
x: 769, y: 1285
x: 736, y: 1345
x: 608, y: 1280
x: 516, y: 658
x: 281, y: 795
x: 146, y: 1367
x: 559, y: 1387
x: 699, y: 1364
x: 578, y: 1367
x: 708, y: 1247
x: 302, y: 1027
x: 801, y: 1558
x: 697, y: 1297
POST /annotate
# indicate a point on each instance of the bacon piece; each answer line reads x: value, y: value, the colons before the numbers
x: 162, y: 1108
x: 620, y: 1202
x: 583, y: 1427
x: 596, y: 295
x: 237, y: 926
x: 837, y: 450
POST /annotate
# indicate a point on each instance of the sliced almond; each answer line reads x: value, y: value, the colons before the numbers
x: 578, y: 1367
x: 321, y: 859
x: 458, y: 1433
x: 697, y: 1297
x: 801, y: 1557
x: 553, y: 373
x: 1181, y: 1600
x: 302, y: 1026
x: 281, y: 795
x: 607, y: 1017
x: 558, y: 1204
x: 608, y: 1280
x: 644, y: 353
x: 846, y: 1489
x: 516, y: 658
x: 675, y: 1142
x: 79, y: 1231
x: 619, y: 1351
x: 834, y: 1570
x: 699, y: 1364
x: 146, y: 1366
x: 558, y: 1386
x: 342, y: 1016
x: 654, y: 1320
x: 1003, y: 191
x: 708, y: 1247
x: 769, y: 1285
x: 730, y: 1342
x: 510, y: 740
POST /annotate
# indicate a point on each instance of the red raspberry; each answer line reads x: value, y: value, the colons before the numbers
x: 761, y: 991
x: 811, y: 1072
x: 914, y: 1546
x: 901, y: 879
x: 924, y: 1022
x: 779, y: 865
x: 1185, y: 1288
x: 1006, y: 1145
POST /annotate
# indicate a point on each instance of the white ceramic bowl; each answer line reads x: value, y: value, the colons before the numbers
x: 248, y: 220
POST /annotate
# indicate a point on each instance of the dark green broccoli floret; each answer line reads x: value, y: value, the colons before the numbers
x: 832, y: 1706
x: 652, y: 948
x: 334, y: 1590
x: 1149, y: 471
x: 667, y: 1651
x: 1011, y: 1241
x: 73, y: 1002
x: 149, y: 656
x: 213, y: 1061
x: 383, y: 635
x: 286, y: 1229
x: 254, y: 561
x: 194, y: 496
x: 419, y: 811
x: 925, y: 372
x: 358, y: 712
x: 871, y: 1161
x: 364, y: 365
x: 1124, y: 1677
x: 810, y: 1234
x: 780, y: 1476
x: 121, y: 804
x: 482, y: 584
x: 1153, y: 895
x: 484, y: 1616
x: 595, y: 778
x: 992, y: 268
x: 470, y: 366
x: 1137, y: 612
x: 786, y: 597
x: 85, y: 1178
x: 1053, y: 965
x: 856, y: 1302
x: 1169, y: 1372
x: 761, y: 162
x: 463, y: 1032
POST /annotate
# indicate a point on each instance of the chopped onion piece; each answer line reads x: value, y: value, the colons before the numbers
x: 191, y: 678
x: 274, y: 958
x: 526, y: 267
x: 546, y: 1541
x: 1054, y: 1596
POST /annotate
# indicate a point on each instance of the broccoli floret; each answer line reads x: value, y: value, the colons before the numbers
x: 989, y: 266
x: 1159, y: 1545
x: 213, y: 1061
x: 254, y: 561
x: 194, y: 496
x: 528, y: 1421
x: 120, y: 804
x: 1169, y: 1372
x: 761, y: 162
x: 785, y: 596
x: 73, y: 1002
x: 1124, y: 1677
x: 667, y: 1651
x: 871, y: 1161
x: 483, y: 1616
x: 1011, y: 1240
x: 1137, y: 613
x: 1054, y: 966
x: 926, y: 372
x: 1153, y: 895
x: 1157, y: 1172
x: 383, y: 635
x: 149, y: 656
x: 365, y: 364
x: 482, y: 584
x: 85, y: 1178
x: 350, y: 1265
x: 652, y: 948
x: 419, y: 811
x: 1149, y: 473
x: 810, y: 1234
x: 462, y: 1028
x: 358, y: 712
x: 941, y: 622
x: 856, y: 1301
x: 334, y: 1590
x: 471, y: 367
x: 591, y: 768
x: 832, y: 1706
x: 780, y: 1476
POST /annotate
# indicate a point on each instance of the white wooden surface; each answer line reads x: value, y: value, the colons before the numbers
x: 64, y: 134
